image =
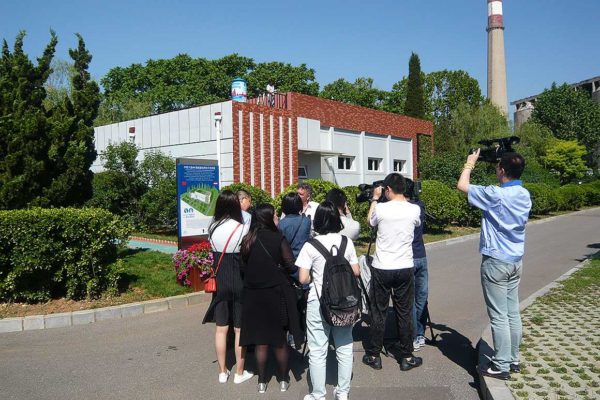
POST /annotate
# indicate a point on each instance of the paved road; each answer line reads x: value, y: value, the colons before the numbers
x: 169, y: 355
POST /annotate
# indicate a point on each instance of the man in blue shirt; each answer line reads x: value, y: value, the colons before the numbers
x: 501, y: 244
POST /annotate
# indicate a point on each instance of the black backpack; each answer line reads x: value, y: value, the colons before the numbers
x: 340, y: 295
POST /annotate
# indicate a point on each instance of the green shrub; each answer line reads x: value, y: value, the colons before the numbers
x: 592, y: 194
x: 158, y: 207
x: 543, y: 198
x: 319, y: 191
x: 572, y: 197
x: 441, y: 202
x: 467, y: 214
x: 359, y: 211
x: 48, y: 253
x: 259, y: 196
x: 447, y: 167
x: 535, y: 173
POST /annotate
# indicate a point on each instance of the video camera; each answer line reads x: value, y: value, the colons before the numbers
x: 493, y: 153
x: 366, y: 192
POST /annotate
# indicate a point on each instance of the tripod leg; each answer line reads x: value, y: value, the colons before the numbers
x: 429, y: 323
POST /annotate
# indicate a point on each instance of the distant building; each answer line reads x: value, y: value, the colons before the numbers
x: 524, y: 107
x: 272, y: 145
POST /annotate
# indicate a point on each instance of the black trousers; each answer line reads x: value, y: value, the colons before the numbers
x: 400, y: 284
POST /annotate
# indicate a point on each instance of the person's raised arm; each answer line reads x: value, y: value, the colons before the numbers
x: 465, y: 176
x: 377, y: 193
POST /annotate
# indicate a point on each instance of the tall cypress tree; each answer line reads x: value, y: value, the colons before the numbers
x: 72, y: 135
x: 415, y: 100
x: 23, y: 126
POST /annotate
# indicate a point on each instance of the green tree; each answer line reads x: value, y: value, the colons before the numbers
x: 570, y: 114
x: 24, y: 125
x: 565, y: 158
x: 415, y: 102
x: 360, y: 93
x: 158, y: 205
x: 72, y: 150
x: 535, y: 139
x: 467, y: 125
x: 443, y: 91
x: 285, y: 77
x: 119, y: 188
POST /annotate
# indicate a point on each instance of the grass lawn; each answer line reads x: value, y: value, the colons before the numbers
x: 148, y: 275
x: 560, y: 352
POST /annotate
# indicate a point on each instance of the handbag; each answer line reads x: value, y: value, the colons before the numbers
x: 210, y: 285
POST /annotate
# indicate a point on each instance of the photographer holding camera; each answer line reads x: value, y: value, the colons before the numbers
x: 392, y: 270
x: 505, y: 212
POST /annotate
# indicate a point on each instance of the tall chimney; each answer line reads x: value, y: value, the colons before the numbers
x: 496, y: 83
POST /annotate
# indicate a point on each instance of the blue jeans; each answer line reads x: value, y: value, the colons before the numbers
x: 317, y: 336
x: 421, y: 293
x: 500, y: 283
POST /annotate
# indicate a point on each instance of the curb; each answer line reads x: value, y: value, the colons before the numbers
x: 83, y: 317
x: 158, y: 241
x: 494, y: 389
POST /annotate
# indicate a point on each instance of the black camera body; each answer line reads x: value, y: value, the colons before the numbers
x: 366, y: 192
x: 495, y: 148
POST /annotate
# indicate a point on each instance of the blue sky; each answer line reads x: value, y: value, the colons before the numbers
x: 546, y: 40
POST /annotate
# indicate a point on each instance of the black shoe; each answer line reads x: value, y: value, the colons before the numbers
x: 515, y: 368
x: 493, y: 372
x: 410, y: 363
x: 372, y: 361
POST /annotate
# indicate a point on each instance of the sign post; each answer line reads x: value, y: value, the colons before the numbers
x: 197, y: 192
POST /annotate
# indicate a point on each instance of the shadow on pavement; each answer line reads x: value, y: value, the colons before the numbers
x: 458, y: 349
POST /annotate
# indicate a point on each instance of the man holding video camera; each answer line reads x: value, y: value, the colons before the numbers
x: 505, y: 212
x: 392, y: 272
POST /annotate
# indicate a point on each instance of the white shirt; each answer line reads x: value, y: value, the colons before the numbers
x: 247, y: 217
x: 219, y: 237
x: 351, y: 227
x: 310, y: 258
x: 396, y: 222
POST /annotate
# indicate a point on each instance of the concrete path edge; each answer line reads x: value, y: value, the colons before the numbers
x: 83, y: 317
x: 495, y: 389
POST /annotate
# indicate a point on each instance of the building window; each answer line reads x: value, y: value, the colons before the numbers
x: 399, y: 165
x: 302, y: 172
x: 374, y: 164
x: 345, y: 163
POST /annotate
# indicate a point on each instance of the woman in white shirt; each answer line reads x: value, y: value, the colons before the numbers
x: 327, y: 225
x: 225, y: 234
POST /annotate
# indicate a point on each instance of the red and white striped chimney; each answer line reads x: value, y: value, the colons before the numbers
x: 496, y: 84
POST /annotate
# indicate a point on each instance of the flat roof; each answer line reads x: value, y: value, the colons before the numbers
x: 596, y: 78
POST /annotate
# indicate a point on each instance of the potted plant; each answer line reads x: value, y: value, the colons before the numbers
x: 193, y: 265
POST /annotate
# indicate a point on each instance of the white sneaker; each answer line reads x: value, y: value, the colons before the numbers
x: 223, y: 376
x: 243, y: 377
x: 418, y: 343
x: 311, y: 397
x: 339, y: 396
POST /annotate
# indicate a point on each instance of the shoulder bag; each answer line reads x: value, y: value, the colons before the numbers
x: 210, y: 285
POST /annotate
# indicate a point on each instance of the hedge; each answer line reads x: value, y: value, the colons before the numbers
x: 259, y: 196
x: 441, y: 202
x: 49, y: 253
x: 543, y: 198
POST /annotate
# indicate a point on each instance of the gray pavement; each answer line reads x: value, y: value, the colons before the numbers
x: 170, y: 355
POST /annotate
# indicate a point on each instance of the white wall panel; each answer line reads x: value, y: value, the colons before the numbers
x: 302, y: 133
x: 114, y: 134
x: 147, y: 129
x: 165, y: 139
x: 155, y: 122
x: 313, y: 134
x: 402, y: 150
x: 194, y: 120
x: 122, y: 131
x: 227, y: 119
x: 184, y: 126
x: 174, y: 127
x: 205, y: 123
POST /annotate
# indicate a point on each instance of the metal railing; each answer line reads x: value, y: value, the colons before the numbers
x: 274, y: 100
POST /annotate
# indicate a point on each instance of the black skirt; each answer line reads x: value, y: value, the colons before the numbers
x: 226, y: 306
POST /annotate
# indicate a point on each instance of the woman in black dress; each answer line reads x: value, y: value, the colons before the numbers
x: 269, y: 306
x: 225, y: 234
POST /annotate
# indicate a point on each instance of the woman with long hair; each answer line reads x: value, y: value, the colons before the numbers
x: 225, y: 235
x: 327, y: 225
x: 269, y: 307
